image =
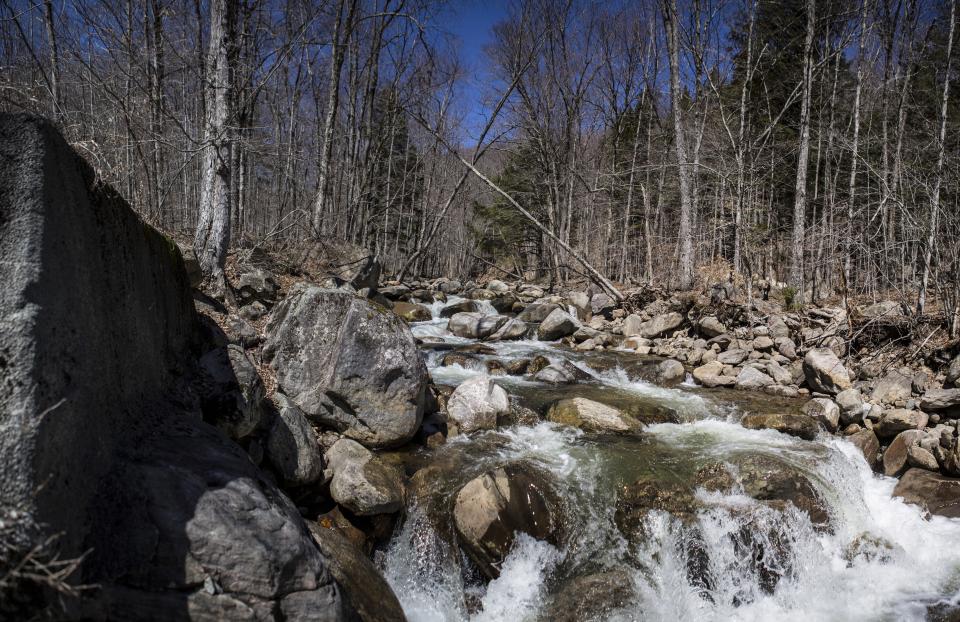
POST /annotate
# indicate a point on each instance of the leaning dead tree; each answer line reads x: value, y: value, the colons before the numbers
x: 595, y: 275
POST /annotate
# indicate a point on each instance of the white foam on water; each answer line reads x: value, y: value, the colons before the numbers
x: 453, y: 375
x: 424, y: 572
x: 518, y: 593
x: 685, y: 403
x: 546, y: 444
x: 904, y: 562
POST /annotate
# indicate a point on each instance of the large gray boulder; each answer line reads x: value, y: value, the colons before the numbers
x: 752, y: 379
x: 711, y: 327
x: 557, y: 325
x: 824, y: 411
x: 511, y: 329
x: 953, y: 371
x: 892, y: 422
x: 256, y: 285
x: 851, y: 405
x: 661, y: 325
x: 824, y: 371
x: 868, y: 443
x: 632, y: 325
x: 462, y: 306
x: 591, y: 416
x: 475, y: 325
x: 602, y: 304
x: 940, y: 399
x: 581, y: 302
x: 361, y: 482
x: 292, y: 445
x: 537, y: 312
x: 896, y: 455
x: 176, y: 528
x: 895, y: 386
x: 363, y: 586
x: 711, y: 375
x: 476, y: 404
x: 100, y: 441
x: 231, y: 391
x: 933, y: 492
x: 348, y: 364
x: 412, y: 312
x: 884, y: 308
x: 563, y: 372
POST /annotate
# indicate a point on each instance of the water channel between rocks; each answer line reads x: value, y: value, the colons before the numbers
x: 733, y: 558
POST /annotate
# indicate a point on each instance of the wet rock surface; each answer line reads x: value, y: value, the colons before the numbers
x: 492, y: 508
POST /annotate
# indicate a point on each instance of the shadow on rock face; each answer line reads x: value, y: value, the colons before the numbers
x: 101, y: 438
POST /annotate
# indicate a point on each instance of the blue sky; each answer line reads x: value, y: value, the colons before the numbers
x: 471, y: 22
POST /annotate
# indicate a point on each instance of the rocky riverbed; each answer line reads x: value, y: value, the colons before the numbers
x: 320, y: 444
x: 656, y: 492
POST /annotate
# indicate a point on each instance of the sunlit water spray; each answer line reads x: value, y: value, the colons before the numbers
x: 879, y: 560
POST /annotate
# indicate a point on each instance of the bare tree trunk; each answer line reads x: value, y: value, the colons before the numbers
x: 800, y: 190
x: 670, y: 18
x: 341, y: 36
x: 628, y: 207
x: 212, y: 238
x: 156, y: 104
x: 938, y: 178
x: 56, y: 110
x: 741, y: 144
x: 854, y: 150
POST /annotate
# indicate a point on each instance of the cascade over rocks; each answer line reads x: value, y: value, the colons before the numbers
x: 801, y: 426
x: 490, y: 509
x: 101, y: 442
x: 348, y: 364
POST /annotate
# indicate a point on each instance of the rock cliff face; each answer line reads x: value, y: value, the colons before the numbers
x: 101, y: 440
x: 95, y: 314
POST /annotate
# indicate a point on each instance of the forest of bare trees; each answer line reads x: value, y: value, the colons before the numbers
x: 808, y: 143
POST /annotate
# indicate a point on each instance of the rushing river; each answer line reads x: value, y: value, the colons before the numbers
x: 880, y: 559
